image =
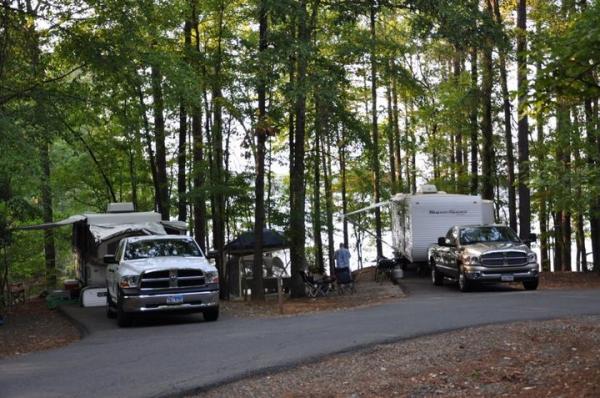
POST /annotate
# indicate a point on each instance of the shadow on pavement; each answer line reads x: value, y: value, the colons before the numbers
x: 416, y: 284
x: 93, y: 319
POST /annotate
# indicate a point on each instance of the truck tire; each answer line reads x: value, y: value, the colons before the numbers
x: 464, y: 285
x: 123, y: 318
x: 437, y: 278
x: 211, y: 315
x: 111, y: 312
x: 531, y: 285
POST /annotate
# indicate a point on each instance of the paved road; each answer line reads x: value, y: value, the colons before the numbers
x: 186, y: 354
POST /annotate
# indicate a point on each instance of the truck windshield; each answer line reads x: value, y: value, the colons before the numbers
x: 470, y: 235
x: 161, y: 248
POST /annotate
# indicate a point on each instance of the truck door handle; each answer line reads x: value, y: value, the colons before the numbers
x: 111, y: 270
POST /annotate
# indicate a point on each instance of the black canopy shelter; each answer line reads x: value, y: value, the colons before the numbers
x: 243, y: 245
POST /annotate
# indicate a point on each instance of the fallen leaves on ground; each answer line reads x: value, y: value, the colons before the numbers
x: 31, y: 326
x: 526, y: 359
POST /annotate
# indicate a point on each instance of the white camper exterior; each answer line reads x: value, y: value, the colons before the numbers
x: 98, y: 234
x: 419, y: 219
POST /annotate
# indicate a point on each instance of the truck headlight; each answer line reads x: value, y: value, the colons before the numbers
x: 211, y: 277
x: 129, y: 281
x: 470, y: 260
x: 531, y: 258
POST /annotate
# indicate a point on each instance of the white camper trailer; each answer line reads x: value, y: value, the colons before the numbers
x: 419, y: 219
x: 98, y: 234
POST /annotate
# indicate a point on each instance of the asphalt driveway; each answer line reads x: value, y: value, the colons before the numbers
x: 183, y: 354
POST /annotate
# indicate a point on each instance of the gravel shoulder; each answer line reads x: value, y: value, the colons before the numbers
x: 533, y: 359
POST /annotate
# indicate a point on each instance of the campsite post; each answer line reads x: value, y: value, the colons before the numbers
x: 279, y: 295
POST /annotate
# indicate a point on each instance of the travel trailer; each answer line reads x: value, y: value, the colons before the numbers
x: 418, y: 219
x: 98, y: 234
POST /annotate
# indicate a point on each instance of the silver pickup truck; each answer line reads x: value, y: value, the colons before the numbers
x: 475, y: 254
x: 159, y: 273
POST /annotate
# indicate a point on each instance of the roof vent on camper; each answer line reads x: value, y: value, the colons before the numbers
x: 427, y: 188
x: 122, y: 207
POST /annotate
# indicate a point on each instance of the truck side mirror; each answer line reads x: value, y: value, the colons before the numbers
x: 213, y: 254
x: 110, y: 259
x: 442, y: 241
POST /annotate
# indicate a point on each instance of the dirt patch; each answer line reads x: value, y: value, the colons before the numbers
x: 527, y: 359
x: 367, y: 292
x: 31, y: 326
x: 569, y: 280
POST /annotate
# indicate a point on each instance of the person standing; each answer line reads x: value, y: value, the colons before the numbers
x: 342, y: 257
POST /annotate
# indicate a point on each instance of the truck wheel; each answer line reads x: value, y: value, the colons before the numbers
x: 110, y: 306
x: 437, y: 278
x: 211, y: 315
x: 464, y: 285
x: 531, y: 285
x: 123, y: 318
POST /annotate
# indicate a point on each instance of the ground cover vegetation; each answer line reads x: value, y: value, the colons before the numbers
x: 246, y: 114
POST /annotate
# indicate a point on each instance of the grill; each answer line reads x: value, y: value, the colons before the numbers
x: 499, y: 259
x: 171, y: 279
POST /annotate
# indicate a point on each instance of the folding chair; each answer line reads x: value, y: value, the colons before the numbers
x: 344, y: 281
x: 315, y: 287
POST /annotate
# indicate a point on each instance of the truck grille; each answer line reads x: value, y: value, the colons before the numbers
x: 172, y: 279
x: 499, y: 259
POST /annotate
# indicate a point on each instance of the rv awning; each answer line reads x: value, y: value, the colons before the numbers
x: 69, y: 221
x: 104, y: 232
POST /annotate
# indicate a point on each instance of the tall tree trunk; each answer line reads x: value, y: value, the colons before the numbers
x: 542, y: 191
x: 473, y: 125
x: 375, y: 142
x: 510, y: 159
x: 297, y: 186
x: 47, y: 216
x: 460, y: 167
x: 159, y: 139
x: 181, y: 160
x: 486, y: 122
x: 396, y: 125
x: 327, y: 173
x: 523, y: 124
x: 593, y: 160
x: 316, y: 216
x: 218, y: 181
x: 563, y: 155
x: 342, y: 157
x: 198, y: 167
x: 390, y: 136
x: 258, y: 291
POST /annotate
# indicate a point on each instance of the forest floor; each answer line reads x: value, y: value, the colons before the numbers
x: 367, y: 292
x: 525, y: 359
x: 31, y: 326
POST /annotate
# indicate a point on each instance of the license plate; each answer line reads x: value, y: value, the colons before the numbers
x: 176, y: 299
x: 507, y: 278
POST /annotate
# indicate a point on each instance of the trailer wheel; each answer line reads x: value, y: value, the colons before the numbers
x: 437, y: 278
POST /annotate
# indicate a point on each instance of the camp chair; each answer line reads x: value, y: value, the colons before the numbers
x: 315, y: 287
x: 344, y: 281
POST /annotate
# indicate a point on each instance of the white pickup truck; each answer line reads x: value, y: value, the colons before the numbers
x: 159, y: 273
